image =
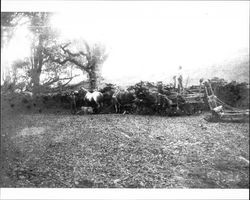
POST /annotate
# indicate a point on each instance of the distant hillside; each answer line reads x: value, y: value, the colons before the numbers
x: 235, y: 68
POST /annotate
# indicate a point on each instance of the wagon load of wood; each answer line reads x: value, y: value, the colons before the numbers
x: 173, y: 95
x: 194, y: 98
x: 195, y: 89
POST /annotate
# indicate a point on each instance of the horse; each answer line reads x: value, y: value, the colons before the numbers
x: 152, y: 102
x: 123, y: 100
x: 92, y: 99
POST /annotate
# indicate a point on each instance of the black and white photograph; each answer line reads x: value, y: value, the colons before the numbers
x: 125, y: 95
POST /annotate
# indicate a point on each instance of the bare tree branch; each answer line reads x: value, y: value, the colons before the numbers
x: 57, y: 89
x: 81, y: 53
x: 62, y: 62
x: 68, y: 81
x: 65, y: 45
x: 46, y: 56
x: 51, y: 81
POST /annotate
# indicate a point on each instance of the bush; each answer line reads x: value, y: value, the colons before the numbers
x: 234, y: 94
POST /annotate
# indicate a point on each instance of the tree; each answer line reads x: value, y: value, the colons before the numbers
x: 82, y: 55
x: 9, y: 23
x: 49, y: 56
x: 216, y: 83
x: 41, y: 36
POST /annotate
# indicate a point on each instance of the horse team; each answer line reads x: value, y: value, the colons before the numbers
x: 121, y: 101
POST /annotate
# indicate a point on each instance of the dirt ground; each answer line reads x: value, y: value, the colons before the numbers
x: 57, y: 149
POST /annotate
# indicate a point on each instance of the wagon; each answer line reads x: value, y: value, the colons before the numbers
x: 189, y: 102
x: 222, y: 111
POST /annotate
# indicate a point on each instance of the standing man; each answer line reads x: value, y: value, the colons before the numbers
x: 180, y: 79
x: 174, y: 78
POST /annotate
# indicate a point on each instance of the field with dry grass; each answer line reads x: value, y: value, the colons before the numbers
x: 57, y: 149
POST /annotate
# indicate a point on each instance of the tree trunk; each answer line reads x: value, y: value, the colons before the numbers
x: 92, y: 80
x: 37, y: 68
x: 92, y: 75
x: 36, y: 83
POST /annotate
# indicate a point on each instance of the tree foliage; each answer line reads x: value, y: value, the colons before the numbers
x: 232, y: 93
x: 82, y: 55
x: 42, y: 37
x: 50, y: 59
x: 9, y: 24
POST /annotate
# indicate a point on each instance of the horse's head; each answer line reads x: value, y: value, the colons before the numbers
x: 83, y: 91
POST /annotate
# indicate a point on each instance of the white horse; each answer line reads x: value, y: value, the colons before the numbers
x: 93, y: 99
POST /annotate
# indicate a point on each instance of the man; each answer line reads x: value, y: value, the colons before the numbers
x: 180, y: 86
x: 174, y: 78
x: 180, y: 79
x: 72, y: 98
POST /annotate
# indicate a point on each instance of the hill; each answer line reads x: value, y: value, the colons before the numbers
x: 233, y: 68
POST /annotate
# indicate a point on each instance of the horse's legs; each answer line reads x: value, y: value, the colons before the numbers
x: 73, y: 107
x: 116, y: 108
x: 119, y: 108
x: 98, y: 108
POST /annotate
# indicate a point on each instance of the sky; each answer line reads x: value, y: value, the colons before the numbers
x: 146, y: 40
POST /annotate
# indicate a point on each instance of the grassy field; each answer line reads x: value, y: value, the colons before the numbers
x: 57, y: 149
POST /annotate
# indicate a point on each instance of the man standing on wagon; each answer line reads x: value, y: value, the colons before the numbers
x: 180, y: 79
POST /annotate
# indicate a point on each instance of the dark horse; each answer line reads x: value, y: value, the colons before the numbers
x: 93, y: 99
x: 123, y: 100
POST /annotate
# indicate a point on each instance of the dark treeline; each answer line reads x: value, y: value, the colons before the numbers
x: 232, y: 93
